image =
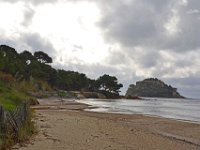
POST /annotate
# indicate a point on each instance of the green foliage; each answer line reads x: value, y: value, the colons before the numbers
x: 42, y: 57
x: 108, y: 85
x: 26, y: 86
x: 25, y: 66
x: 69, y: 80
x: 10, y: 97
x: 26, y: 56
x: 62, y: 94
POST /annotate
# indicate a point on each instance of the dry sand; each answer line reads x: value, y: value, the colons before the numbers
x: 66, y: 127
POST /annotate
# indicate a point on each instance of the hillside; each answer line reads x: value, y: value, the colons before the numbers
x: 12, y: 93
x: 36, y: 70
x: 152, y: 87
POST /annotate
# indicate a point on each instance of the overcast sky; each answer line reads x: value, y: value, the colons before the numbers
x: 131, y: 39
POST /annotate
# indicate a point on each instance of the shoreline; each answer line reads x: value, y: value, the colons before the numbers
x: 141, y: 107
x: 146, y: 115
x: 67, y: 126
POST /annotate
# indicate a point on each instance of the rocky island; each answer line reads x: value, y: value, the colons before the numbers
x: 152, y: 87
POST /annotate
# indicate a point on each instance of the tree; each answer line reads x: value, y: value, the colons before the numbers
x: 43, y: 57
x: 108, y: 84
x: 8, y: 52
x: 70, y: 80
x: 25, y: 66
x: 26, y: 56
x: 9, y: 62
x: 92, y: 85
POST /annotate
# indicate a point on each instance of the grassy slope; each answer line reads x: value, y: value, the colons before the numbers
x: 10, y: 97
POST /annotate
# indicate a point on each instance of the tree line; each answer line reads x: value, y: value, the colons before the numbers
x: 25, y: 66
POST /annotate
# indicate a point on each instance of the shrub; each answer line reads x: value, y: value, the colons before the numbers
x: 7, y: 78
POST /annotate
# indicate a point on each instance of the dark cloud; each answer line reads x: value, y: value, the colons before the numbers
x: 35, y: 42
x: 188, y: 86
x: 193, y: 4
x: 5, y: 41
x: 133, y: 23
x: 148, y: 59
x: 117, y: 57
x: 30, y: 41
x: 188, y: 37
x: 142, y: 23
x: 131, y: 56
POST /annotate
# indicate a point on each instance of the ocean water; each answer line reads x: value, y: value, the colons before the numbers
x: 180, y: 109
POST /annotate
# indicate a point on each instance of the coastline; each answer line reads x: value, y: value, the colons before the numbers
x: 67, y: 126
x: 178, y: 109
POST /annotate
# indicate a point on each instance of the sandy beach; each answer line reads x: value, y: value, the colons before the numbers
x: 65, y: 126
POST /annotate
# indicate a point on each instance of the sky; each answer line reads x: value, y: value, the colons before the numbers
x: 129, y: 39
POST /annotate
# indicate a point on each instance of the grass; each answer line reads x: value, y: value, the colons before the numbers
x: 12, y: 95
x: 10, y: 98
x: 24, y: 133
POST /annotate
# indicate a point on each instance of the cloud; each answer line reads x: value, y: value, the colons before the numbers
x: 30, y: 41
x: 132, y: 23
x: 42, y: 2
x: 77, y: 48
x: 29, y: 13
x: 142, y: 38
x: 151, y: 23
x: 188, y: 86
x: 156, y: 38
x: 33, y: 2
x: 37, y: 43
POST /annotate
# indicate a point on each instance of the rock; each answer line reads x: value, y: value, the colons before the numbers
x: 152, y: 87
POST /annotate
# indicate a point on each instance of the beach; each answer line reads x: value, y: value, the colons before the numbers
x: 65, y: 126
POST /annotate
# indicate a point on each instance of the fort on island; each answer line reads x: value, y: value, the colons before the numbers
x: 152, y: 87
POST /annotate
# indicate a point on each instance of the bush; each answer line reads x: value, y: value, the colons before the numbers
x: 62, y: 94
x: 7, y: 78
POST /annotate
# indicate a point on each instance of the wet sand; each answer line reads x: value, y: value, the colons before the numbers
x: 65, y: 126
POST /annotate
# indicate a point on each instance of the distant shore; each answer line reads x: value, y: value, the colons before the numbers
x: 64, y: 125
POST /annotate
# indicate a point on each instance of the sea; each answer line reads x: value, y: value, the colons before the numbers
x: 179, y: 109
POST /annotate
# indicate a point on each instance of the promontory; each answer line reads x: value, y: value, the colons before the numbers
x: 152, y: 87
